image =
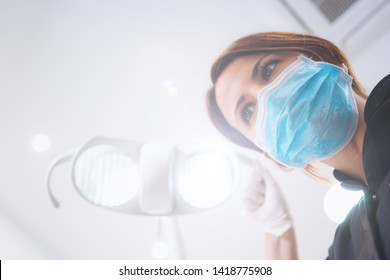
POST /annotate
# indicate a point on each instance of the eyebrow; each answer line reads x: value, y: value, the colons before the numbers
x: 255, y: 70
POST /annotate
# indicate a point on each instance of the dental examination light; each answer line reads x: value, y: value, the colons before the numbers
x: 151, y: 179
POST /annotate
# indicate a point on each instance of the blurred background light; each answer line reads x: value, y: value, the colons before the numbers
x: 339, y: 201
x: 41, y: 143
x: 172, y: 91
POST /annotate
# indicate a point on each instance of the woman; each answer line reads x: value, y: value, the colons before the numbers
x: 295, y: 98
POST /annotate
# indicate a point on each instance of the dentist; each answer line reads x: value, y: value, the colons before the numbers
x: 295, y: 99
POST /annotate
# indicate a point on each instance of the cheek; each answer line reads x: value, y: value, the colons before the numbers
x: 250, y: 134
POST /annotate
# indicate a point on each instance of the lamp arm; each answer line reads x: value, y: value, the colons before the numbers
x: 63, y: 158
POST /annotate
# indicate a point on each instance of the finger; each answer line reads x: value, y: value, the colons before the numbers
x: 258, y: 184
x: 255, y: 200
x: 261, y: 172
x: 251, y: 206
x: 254, y: 193
x: 260, y: 168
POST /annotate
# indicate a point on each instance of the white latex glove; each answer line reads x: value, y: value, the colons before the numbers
x: 266, y: 203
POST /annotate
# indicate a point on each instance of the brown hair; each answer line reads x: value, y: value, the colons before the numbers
x: 316, y: 48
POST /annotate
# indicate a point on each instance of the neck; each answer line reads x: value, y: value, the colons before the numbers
x: 349, y: 160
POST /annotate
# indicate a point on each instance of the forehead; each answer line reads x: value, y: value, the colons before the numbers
x: 236, y: 68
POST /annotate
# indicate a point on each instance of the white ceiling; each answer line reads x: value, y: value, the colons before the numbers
x: 75, y: 69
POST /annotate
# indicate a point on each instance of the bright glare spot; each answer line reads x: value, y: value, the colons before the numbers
x: 41, y: 143
x: 172, y: 91
x: 119, y: 187
x: 339, y: 201
x: 207, y: 179
x: 160, y: 250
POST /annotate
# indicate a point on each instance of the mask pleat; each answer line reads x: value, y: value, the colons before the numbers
x: 310, y: 115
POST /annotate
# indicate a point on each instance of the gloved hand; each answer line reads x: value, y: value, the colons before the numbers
x: 266, y: 203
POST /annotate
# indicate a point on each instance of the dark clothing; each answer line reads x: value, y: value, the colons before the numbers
x: 365, y: 233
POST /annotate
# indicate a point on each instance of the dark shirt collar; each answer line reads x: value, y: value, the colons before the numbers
x: 348, y: 182
x: 376, y: 145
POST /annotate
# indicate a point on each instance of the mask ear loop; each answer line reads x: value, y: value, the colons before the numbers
x: 65, y: 157
x: 344, y: 67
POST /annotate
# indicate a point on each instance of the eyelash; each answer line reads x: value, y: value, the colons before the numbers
x: 264, y: 69
x: 248, y: 108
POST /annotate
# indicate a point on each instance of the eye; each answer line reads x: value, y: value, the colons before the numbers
x: 268, y: 69
x: 247, y: 112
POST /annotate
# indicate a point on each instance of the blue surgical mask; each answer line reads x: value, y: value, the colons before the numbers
x: 308, y: 113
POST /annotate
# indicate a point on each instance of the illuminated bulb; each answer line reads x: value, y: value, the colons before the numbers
x: 105, y: 176
x: 160, y: 250
x: 339, y: 201
x: 172, y: 91
x: 41, y: 143
x: 207, y: 179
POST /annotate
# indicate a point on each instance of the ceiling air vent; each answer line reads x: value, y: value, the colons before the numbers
x: 333, y: 9
x: 350, y: 24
